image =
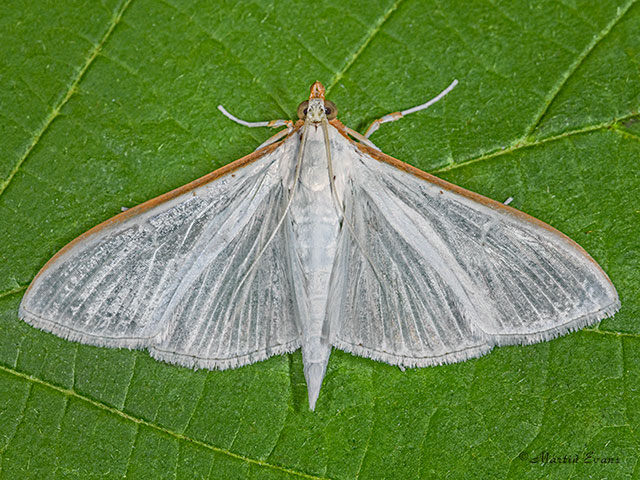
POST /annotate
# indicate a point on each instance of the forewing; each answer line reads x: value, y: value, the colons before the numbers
x: 437, y: 274
x: 180, y: 275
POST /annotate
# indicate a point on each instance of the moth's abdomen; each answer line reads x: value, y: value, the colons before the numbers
x: 315, y: 226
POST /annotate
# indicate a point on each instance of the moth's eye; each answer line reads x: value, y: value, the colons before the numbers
x: 302, y: 110
x: 330, y: 110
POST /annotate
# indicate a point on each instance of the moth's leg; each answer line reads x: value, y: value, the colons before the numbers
x: 361, y: 138
x: 270, y: 123
x: 274, y: 138
x: 392, y: 117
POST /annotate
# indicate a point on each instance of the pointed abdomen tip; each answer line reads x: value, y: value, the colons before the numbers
x: 314, y: 375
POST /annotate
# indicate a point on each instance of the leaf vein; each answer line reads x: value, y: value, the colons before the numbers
x: 56, y: 439
x: 626, y: 133
x: 23, y: 410
x: 424, y: 437
x: 192, y: 20
x: 13, y: 290
x: 370, y: 35
x: 526, y: 449
x: 373, y: 424
x: 140, y: 422
x: 133, y: 445
x: 70, y: 91
x: 597, y: 39
x: 534, y: 143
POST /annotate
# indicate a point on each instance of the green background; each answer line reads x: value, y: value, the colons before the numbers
x: 107, y: 105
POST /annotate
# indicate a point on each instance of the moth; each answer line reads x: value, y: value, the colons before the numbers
x: 318, y: 240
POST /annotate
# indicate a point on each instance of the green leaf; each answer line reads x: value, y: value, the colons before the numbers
x: 107, y: 105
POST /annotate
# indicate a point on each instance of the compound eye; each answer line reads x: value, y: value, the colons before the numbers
x: 330, y: 110
x: 302, y: 109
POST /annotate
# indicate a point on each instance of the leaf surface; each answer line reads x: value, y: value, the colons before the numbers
x: 108, y: 105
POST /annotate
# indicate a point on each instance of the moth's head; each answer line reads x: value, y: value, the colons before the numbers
x: 317, y: 108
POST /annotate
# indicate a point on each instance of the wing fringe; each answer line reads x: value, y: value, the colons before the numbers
x: 145, y: 343
x: 479, y: 350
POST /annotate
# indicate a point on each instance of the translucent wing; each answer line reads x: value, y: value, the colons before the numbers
x: 437, y: 274
x: 180, y: 274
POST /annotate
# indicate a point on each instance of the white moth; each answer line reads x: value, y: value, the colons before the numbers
x: 318, y: 241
